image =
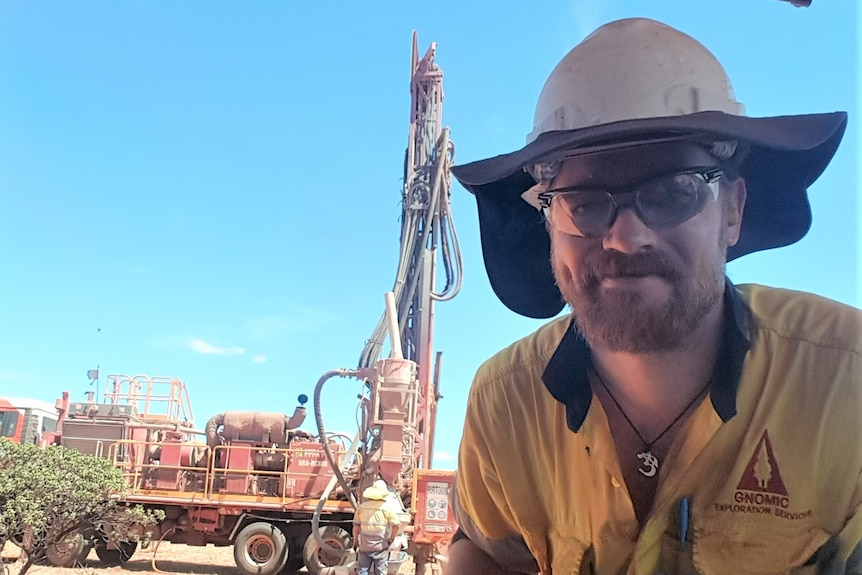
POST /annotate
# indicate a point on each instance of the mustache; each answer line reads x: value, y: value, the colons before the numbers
x: 618, y: 265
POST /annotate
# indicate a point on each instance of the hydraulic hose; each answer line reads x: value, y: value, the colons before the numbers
x: 318, y: 416
x: 318, y: 511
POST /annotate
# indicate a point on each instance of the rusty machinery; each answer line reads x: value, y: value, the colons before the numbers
x: 284, y: 497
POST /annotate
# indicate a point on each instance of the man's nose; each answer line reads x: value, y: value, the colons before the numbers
x: 627, y: 233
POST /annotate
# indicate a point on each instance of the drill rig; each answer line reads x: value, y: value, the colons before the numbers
x: 284, y: 497
x: 395, y: 441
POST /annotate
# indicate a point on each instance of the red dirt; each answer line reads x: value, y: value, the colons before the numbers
x: 175, y: 559
x: 169, y: 558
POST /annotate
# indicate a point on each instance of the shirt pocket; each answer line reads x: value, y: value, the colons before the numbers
x: 765, y: 545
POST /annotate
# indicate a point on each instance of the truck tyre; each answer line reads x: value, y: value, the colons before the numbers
x: 317, y: 558
x: 67, y: 553
x: 260, y: 549
x: 118, y: 556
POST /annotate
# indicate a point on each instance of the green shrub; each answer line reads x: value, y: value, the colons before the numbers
x: 49, y: 495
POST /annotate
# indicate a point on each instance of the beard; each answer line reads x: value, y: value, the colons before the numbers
x: 624, y: 321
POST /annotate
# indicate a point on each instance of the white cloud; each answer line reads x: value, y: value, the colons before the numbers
x: 259, y: 358
x: 443, y: 456
x: 207, y: 348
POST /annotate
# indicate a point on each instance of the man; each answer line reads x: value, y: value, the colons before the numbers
x: 374, y: 529
x: 674, y: 422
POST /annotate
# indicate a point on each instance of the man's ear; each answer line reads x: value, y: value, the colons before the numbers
x: 734, y: 206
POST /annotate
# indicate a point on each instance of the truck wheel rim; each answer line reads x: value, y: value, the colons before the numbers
x: 259, y: 549
x: 327, y: 558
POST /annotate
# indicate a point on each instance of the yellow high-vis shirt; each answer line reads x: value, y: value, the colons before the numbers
x: 375, y: 519
x: 763, y: 479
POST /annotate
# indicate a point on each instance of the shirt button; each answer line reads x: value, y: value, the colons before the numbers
x: 614, y: 482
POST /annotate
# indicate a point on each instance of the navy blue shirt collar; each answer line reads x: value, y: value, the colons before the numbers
x: 566, y: 375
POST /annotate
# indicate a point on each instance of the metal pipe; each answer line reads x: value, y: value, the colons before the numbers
x: 394, y: 333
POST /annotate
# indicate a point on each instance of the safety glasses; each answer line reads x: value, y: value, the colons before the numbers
x: 663, y: 202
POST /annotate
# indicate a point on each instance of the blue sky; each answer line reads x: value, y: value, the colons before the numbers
x: 210, y: 190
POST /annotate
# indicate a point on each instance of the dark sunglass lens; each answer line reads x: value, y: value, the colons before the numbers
x: 672, y: 200
x: 587, y: 212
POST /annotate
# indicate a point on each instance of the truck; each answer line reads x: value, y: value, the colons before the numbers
x: 28, y: 421
x: 284, y: 497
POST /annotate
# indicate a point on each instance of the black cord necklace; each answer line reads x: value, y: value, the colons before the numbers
x: 648, y: 460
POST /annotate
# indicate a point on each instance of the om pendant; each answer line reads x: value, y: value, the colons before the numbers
x: 649, y: 463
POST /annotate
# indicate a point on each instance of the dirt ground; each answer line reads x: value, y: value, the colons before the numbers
x: 175, y: 559
x: 180, y: 559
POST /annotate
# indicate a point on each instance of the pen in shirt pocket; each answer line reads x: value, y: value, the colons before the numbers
x: 684, y: 520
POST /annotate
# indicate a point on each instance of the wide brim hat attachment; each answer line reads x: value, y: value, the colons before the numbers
x: 633, y: 82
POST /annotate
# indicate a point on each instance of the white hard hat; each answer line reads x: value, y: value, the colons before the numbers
x: 629, y: 69
x: 378, y: 490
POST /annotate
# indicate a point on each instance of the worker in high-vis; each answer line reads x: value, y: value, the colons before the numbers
x: 375, y: 526
x: 673, y: 422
